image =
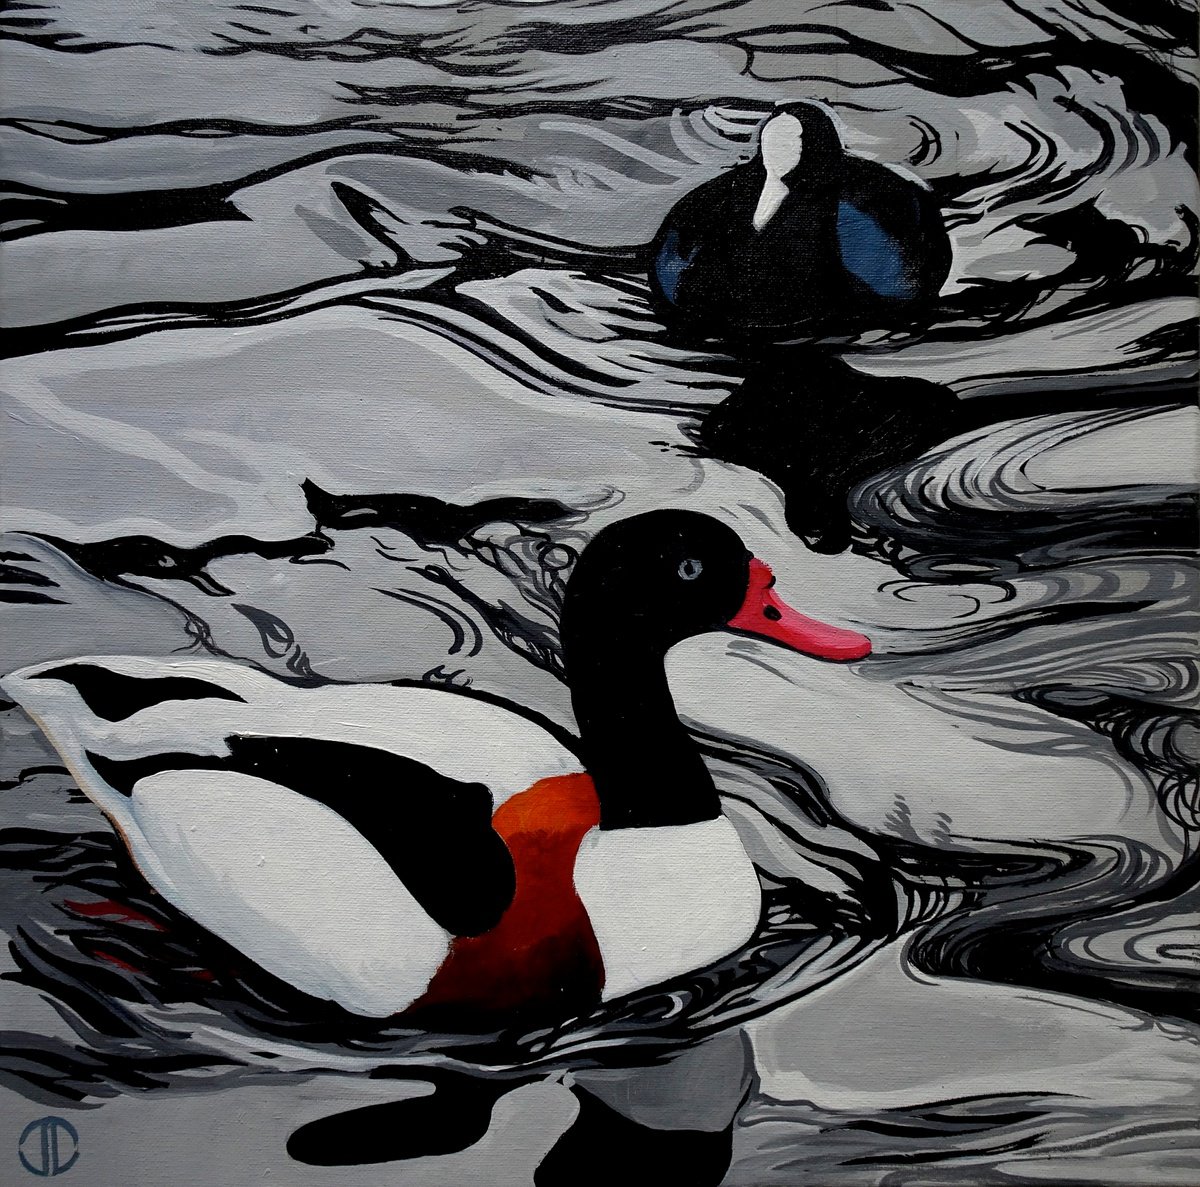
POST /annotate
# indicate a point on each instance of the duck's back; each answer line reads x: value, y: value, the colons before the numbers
x: 341, y: 837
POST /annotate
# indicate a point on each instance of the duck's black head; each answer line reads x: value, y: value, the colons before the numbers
x: 656, y: 579
x: 641, y: 586
x: 799, y: 140
x: 648, y: 582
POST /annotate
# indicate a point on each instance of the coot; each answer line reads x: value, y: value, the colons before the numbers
x: 806, y: 239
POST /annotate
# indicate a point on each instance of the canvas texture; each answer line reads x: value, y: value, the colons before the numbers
x: 599, y: 593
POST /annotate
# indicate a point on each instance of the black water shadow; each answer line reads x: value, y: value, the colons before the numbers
x: 807, y: 420
x: 601, y: 1146
x: 604, y: 1147
x: 454, y: 1116
x: 816, y: 427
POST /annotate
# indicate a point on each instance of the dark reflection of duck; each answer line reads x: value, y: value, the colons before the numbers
x: 805, y: 239
x: 636, y: 1122
x: 632, y: 1122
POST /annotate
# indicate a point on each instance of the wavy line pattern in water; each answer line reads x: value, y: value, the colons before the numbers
x: 1065, y: 155
x: 445, y: 213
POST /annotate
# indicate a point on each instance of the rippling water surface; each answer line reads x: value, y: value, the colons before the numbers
x: 331, y: 348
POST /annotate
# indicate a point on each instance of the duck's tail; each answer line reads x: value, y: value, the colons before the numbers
x: 100, y: 710
x: 279, y: 875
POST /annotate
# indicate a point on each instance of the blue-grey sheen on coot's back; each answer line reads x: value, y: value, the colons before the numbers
x: 599, y: 594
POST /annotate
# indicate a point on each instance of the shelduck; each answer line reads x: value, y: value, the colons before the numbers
x: 435, y: 853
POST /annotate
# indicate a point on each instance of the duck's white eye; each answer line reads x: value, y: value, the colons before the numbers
x: 689, y: 570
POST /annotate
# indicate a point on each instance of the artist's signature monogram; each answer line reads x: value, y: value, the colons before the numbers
x: 48, y: 1146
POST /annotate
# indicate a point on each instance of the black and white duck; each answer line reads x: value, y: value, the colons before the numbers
x: 398, y: 849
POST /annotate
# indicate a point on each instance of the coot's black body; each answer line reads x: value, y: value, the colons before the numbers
x: 854, y: 244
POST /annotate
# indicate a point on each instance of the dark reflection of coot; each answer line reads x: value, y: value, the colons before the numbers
x: 806, y: 239
x: 816, y: 427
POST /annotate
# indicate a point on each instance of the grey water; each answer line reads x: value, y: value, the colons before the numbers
x: 330, y: 347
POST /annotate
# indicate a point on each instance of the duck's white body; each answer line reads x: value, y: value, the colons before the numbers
x: 293, y: 885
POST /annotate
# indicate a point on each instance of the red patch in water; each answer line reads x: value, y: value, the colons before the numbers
x: 109, y: 958
x: 542, y: 955
x: 108, y: 909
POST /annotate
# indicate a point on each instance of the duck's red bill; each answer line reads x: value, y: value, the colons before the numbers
x: 768, y: 616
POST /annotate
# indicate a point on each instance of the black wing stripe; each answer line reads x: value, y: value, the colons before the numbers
x: 434, y: 832
x: 114, y: 696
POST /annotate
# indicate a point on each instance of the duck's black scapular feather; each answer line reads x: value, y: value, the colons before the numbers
x: 891, y: 237
x: 114, y: 696
x: 435, y: 832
